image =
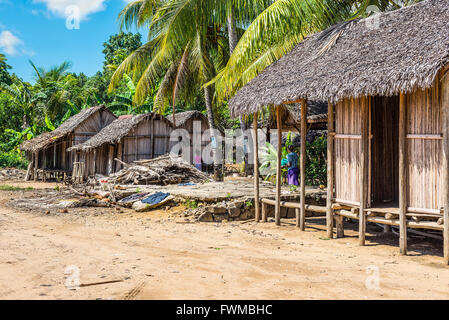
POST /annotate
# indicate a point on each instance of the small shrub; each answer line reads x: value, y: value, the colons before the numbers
x: 13, y: 159
x: 5, y: 187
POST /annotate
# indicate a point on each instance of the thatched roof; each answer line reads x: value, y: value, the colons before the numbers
x: 47, y: 138
x: 182, y: 117
x: 114, y: 132
x: 403, y: 53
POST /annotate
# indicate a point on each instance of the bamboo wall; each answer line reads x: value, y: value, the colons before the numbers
x: 424, y: 151
x: 347, y: 150
x: 201, y: 134
x: 150, y: 139
x: 423, y: 144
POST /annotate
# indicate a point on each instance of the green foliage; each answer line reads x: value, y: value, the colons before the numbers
x: 12, y: 159
x: 191, y: 204
x: 5, y: 77
x: 5, y: 187
x: 316, y: 169
x: 316, y: 162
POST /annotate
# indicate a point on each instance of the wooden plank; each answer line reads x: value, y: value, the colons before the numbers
x: 330, y: 172
x: 445, y: 169
x: 364, y: 172
x: 411, y: 224
x: 301, y: 223
x: 425, y: 136
x: 256, y: 168
x: 402, y: 174
x: 277, y: 213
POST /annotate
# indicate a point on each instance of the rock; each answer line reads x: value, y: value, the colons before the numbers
x: 220, y: 218
x: 244, y: 216
x: 216, y: 209
x: 239, y: 204
x: 64, y: 210
x: 233, y: 211
x: 139, y: 206
x: 206, y: 217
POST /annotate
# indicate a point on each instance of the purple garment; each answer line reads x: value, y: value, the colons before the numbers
x: 293, y: 175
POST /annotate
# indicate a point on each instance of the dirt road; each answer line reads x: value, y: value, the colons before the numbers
x: 159, y: 257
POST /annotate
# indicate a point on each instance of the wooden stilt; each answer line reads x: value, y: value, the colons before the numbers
x: 94, y: 171
x: 330, y: 171
x: 278, y: 168
x: 301, y: 223
x: 402, y: 174
x: 36, y: 165
x: 339, y: 224
x: 445, y: 128
x: 256, y: 168
x: 264, y: 212
x: 364, y: 173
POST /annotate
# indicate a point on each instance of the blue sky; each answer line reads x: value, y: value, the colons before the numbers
x: 37, y: 30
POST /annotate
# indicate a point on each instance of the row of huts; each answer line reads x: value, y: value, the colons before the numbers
x: 386, y: 82
x: 89, y: 142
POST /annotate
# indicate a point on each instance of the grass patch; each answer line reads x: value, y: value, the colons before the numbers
x: 5, y: 187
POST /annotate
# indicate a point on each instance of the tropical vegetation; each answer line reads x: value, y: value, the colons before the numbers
x: 198, y: 53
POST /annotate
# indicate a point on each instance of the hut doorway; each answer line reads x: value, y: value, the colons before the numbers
x: 385, y: 152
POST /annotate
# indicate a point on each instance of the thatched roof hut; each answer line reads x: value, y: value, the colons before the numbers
x: 68, y: 127
x: 291, y: 116
x: 115, y: 131
x: 386, y: 81
x: 393, y: 52
x: 128, y: 138
x: 181, y: 118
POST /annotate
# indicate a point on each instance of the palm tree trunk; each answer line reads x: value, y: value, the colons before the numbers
x: 233, y: 40
x: 218, y: 163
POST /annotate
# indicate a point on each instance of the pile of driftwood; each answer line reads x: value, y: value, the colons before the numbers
x: 163, y: 170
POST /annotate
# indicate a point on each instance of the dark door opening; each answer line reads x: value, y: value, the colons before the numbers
x: 385, y: 151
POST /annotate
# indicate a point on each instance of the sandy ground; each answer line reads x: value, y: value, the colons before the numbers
x: 159, y: 256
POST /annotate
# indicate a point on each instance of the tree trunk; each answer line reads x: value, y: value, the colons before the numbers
x: 218, y: 163
x: 233, y: 40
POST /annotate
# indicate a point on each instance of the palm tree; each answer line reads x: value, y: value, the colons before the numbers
x: 184, y: 48
x: 123, y: 103
x: 283, y: 25
x: 52, y: 87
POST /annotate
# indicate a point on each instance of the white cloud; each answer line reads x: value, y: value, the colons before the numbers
x: 86, y: 7
x: 9, y: 43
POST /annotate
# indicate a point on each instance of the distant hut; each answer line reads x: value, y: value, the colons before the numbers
x: 386, y: 82
x: 196, y: 124
x: 291, y: 117
x: 47, y: 151
x: 129, y: 138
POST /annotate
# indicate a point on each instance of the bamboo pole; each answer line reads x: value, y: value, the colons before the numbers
x: 330, y: 171
x: 402, y: 175
x: 277, y: 212
x: 256, y: 168
x: 364, y: 174
x: 445, y: 128
x: 301, y: 222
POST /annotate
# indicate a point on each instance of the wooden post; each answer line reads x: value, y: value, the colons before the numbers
x: 256, y: 168
x: 445, y: 128
x: 64, y: 155
x: 364, y: 174
x: 402, y: 174
x: 330, y: 171
x: 54, y: 156
x: 264, y: 212
x: 301, y: 223
x: 36, y: 165
x: 277, y: 213
x: 95, y: 163
x: 339, y: 224
x: 110, y: 159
